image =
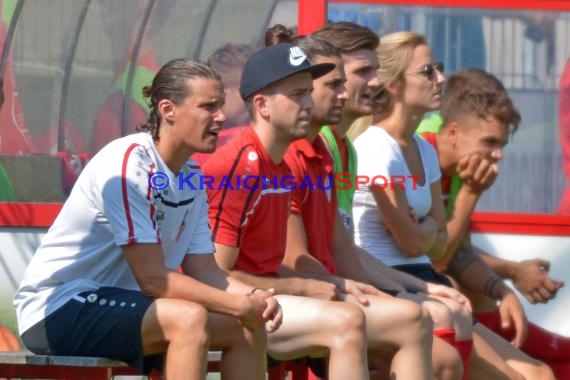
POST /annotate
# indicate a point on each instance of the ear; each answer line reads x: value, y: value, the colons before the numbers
x: 166, y: 110
x: 451, y: 131
x: 394, y: 87
x: 261, y: 105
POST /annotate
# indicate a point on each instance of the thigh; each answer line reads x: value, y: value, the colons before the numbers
x: 309, y: 326
x: 388, y: 318
x: 516, y: 359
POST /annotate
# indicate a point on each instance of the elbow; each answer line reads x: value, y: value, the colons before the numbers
x: 413, y: 248
x: 153, y: 284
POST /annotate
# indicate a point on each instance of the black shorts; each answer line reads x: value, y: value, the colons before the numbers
x: 103, y: 323
x: 424, y: 272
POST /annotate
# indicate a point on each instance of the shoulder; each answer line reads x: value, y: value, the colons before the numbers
x: 375, y: 142
x: 371, y: 137
x: 431, y: 124
x: 238, y: 157
x: 294, y: 158
x: 129, y: 154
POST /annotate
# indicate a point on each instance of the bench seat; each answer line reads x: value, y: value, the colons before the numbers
x: 24, y: 364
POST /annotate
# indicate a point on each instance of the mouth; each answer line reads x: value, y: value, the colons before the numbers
x: 213, y: 133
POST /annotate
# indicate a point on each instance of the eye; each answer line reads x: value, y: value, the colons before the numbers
x: 429, y: 70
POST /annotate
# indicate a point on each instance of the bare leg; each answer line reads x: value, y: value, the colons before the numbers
x: 514, y: 363
x: 244, y: 354
x: 462, y: 318
x: 446, y: 312
x: 318, y: 328
x: 404, y: 326
x: 446, y: 361
x: 178, y: 328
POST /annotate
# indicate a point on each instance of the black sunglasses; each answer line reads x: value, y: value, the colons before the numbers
x: 429, y: 70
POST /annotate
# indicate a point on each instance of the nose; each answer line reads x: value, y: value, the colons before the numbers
x: 497, y: 153
x: 439, y: 77
x: 343, y: 93
x: 220, y: 116
x: 374, y: 81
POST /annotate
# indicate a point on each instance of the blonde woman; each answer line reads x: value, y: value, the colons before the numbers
x: 399, y: 216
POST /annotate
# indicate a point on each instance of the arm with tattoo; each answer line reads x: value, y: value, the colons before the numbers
x: 474, y: 274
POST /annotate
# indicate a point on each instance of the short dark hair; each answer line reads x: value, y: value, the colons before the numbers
x: 348, y: 36
x: 475, y: 92
x: 172, y: 83
x: 312, y: 46
x: 229, y: 59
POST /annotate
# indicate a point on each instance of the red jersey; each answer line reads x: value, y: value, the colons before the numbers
x: 249, y: 198
x: 314, y: 196
x: 225, y: 136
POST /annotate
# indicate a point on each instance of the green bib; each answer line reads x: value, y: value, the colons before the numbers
x: 344, y: 197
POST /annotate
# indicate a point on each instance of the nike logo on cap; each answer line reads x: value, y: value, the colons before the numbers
x: 296, y: 56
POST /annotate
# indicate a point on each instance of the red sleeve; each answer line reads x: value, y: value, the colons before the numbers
x: 230, y: 194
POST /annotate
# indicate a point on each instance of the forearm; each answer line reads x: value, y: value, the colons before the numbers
x: 473, y: 274
x: 380, y: 275
x: 503, y: 268
x: 215, y: 299
x: 304, y: 263
x: 412, y: 237
x: 348, y: 265
x: 290, y: 284
x: 418, y: 239
x: 310, y: 268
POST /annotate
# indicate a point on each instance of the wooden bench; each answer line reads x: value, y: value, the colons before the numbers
x: 24, y: 364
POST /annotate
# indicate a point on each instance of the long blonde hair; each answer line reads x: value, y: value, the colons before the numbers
x: 395, y: 53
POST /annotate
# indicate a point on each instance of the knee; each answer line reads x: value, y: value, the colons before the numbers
x: 416, y: 318
x: 441, y: 314
x: 349, y: 322
x: 460, y: 313
x: 422, y: 317
x: 349, y: 316
x: 191, y: 321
